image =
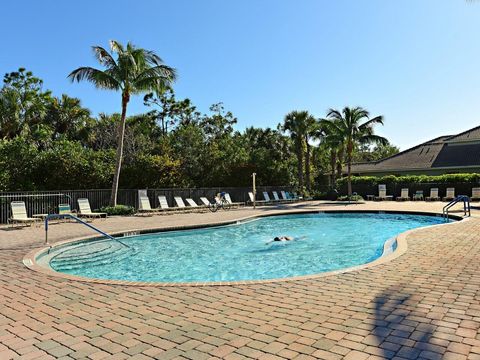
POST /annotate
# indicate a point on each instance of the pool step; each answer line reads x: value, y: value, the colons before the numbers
x: 80, y: 257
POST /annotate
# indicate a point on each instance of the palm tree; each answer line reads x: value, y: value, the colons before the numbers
x: 354, y: 127
x: 332, y: 141
x: 295, y: 123
x: 134, y: 71
x: 312, y: 131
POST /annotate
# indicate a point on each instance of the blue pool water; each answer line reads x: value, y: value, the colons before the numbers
x: 239, y: 252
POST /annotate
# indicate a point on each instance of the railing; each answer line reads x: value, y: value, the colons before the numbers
x: 46, y: 202
x: 460, y: 198
x: 69, y: 216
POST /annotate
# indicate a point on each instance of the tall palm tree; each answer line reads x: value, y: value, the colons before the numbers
x: 332, y: 141
x: 312, y: 131
x: 295, y: 123
x: 355, y: 128
x: 134, y: 71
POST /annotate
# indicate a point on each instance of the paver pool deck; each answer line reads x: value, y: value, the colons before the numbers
x: 423, y: 304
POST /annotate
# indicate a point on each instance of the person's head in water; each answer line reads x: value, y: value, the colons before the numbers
x: 277, y: 239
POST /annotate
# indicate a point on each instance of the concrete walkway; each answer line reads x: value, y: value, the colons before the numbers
x: 425, y: 304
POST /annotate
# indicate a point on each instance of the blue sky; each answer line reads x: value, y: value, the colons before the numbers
x: 415, y: 62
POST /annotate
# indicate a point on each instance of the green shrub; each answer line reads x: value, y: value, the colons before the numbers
x: 353, y: 198
x: 118, y: 210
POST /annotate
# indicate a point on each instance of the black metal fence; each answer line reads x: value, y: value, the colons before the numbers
x: 396, y: 188
x: 46, y: 202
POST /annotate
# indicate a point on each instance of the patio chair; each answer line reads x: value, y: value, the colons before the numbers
x: 285, y: 197
x: 382, y: 193
x: 19, y: 214
x: 205, y: 201
x: 145, y: 207
x: 475, y: 194
x: 296, y: 196
x: 194, y: 205
x: 162, y: 200
x: 267, y: 197
x: 229, y: 200
x: 65, y: 209
x: 418, y: 195
x: 257, y: 202
x: 276, y: 197
x: 86, y: 211
x: 433, y: 195
x: 403, y: 195
x: 292, y: 196
x: 450, y: 194
x: 181, y: 204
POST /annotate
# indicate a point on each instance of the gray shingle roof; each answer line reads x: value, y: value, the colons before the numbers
x: 444, y: 151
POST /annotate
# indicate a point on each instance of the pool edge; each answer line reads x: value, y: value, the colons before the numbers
x: 30, y: 259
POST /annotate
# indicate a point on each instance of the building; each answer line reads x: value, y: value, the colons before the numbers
x: 444, y: 155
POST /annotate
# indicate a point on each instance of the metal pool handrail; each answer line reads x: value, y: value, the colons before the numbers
x: 62, y: 216
x: 459, y: 198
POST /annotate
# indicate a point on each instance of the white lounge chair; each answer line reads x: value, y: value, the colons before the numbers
x: 382, y: 193
x: 433, y: 195
x: 475, y: 194
x: 179, y: 202
x: 193, y: 204
x: 450, y: 195
x: 404, y: 195
x: 145, y: 207
x: 267, y: 197
x: 86, y: 211
x: 257, y: 202
x: 19, y: 214
x: 205, y: 201
x: 229, y: 200
x: 276, y: 197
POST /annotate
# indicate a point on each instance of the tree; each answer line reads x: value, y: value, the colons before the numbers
x: 295, y: 123
x: 23, y: 103
x: 332, y: 141
x: 312, y: 131
x: 366, y: 153
x: 355, y: 128
x: 168, y: 111
x: 67, y: 117
x: 134, y: 71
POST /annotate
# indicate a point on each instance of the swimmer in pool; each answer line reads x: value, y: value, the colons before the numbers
x: 284, y: 239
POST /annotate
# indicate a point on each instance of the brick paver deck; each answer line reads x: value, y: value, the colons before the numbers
x: 424, y: 304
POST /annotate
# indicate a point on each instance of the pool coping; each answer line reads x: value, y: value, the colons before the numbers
x: 30, y: 259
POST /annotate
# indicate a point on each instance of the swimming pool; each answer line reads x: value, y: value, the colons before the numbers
x: 323, y: 242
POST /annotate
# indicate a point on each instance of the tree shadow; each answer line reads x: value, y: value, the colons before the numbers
x: 399, y: 330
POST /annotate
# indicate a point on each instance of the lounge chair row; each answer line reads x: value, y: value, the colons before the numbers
x: 285, y: 197
x: 146, y: 208
x: 418, y: 195
x: 20, y: 216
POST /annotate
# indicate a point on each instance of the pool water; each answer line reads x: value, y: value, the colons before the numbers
x: 323, y: 242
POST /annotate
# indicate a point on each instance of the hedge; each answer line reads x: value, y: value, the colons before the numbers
x: 472, y: 178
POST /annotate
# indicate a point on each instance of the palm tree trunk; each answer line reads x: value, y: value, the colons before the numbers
x: 340, y: 156
x: 307, y: 166
x: 333, y: 163
x: 300, y: 166
x: 119, y: 154
x: 349, y: 168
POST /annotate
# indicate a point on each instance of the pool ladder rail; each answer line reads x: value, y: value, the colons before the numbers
x: 73, y: 217
x: 460, y: 198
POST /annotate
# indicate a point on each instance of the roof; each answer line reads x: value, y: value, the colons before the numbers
x: 449, y: 151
